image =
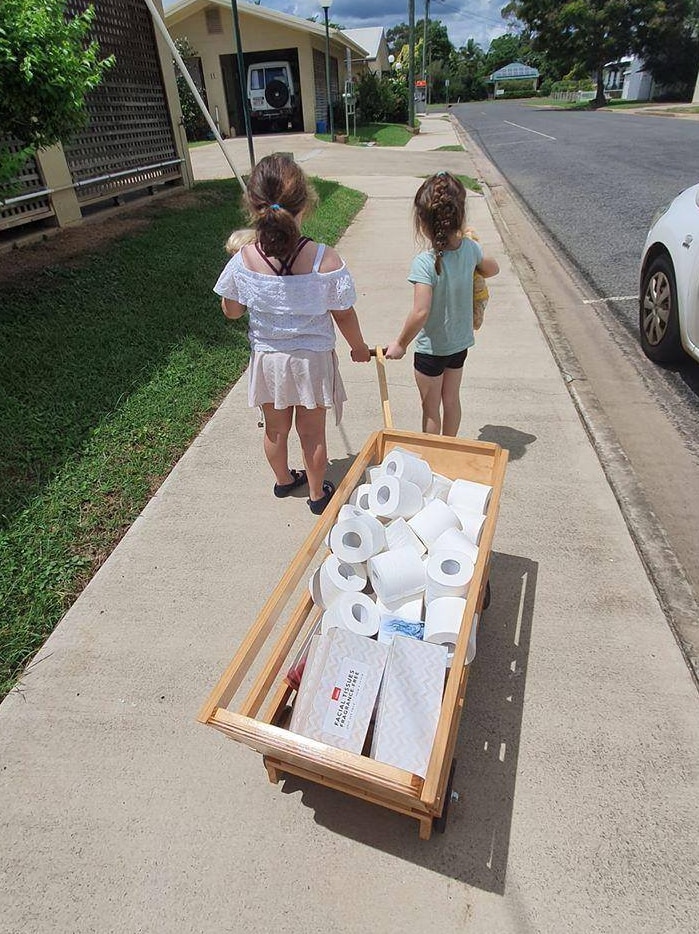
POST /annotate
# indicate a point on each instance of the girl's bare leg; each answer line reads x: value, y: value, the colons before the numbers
x: 430, y: 389
x: 310, y: 425
x: 276, y: 443
x: 451, y: 401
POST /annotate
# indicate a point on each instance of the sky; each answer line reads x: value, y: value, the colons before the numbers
x: 477, y: 19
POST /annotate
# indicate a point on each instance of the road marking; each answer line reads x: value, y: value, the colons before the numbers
x: 528, y: 130
x: 612, y: 298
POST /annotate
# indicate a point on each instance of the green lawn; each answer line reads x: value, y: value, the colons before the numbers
x: 456, y: 147
x: 200, y: 142
x: 109, y: 369
x: 381, y: 134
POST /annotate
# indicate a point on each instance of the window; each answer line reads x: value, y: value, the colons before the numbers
x: 257, y: 82
x: 276, y: 74
x: 214, y: 26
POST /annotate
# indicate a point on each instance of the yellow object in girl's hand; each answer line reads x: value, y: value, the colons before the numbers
x: 480, y: 291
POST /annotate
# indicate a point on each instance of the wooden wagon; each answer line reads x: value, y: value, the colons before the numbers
x: 259, y: 718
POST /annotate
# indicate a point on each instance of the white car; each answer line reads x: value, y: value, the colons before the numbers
x: 669, y: 299
x: 271, y: 93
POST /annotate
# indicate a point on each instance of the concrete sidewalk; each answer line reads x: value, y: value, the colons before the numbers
x: 579, y: 748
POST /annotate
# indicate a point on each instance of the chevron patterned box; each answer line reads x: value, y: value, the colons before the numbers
x: 338, y: 689
x: 409, y: 704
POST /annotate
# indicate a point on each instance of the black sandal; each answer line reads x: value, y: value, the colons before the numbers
x: 284, y: 489
x: 317, y: 506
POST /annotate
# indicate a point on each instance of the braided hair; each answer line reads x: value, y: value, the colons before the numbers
x: 440, y: 212
x: 278, y: 193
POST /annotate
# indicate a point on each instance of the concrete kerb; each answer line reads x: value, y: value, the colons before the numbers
x: 667, y: 576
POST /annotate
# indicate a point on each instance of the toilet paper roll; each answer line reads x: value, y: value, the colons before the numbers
x: 391, y: 497
x: 471, y: 495
x: 372, y: 474
x: 396, y: 575
x: 471, y: 648
x: 333, y: 578
x: 448, y: 575
x: 349, y: 512
x: 471, y: 523
x: 443, y: 619
x: 404, y: 609
x: 433, y: 519
x: 439, y: 488
x: 354, y: 611
x: 456, y: 541
x: 346, y: 512
x: 406, y: 466
x: 360, y: 497
x: 354, y: 540
x: 399, y: 533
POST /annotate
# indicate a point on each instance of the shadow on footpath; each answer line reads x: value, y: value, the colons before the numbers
x: 474, y: 849
x: 512, y: 439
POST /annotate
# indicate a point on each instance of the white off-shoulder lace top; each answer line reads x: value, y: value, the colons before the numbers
x: 289, y: 313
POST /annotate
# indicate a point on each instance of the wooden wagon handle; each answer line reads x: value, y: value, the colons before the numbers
x: 379, y: 353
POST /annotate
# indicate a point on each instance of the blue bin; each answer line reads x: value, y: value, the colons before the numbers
x: 321, y: 126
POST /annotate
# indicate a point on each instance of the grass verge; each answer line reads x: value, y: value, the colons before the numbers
x: 110, y: 368
x: 381, y: 134
x: 456, y: 147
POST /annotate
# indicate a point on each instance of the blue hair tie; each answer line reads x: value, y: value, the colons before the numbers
x: 276, y: 207
x: 440, y: 174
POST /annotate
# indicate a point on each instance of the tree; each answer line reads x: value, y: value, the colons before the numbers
x: 669, y: 46
x: 195, y: 125
x: 438, y: 41
x: 506, y: 49
x: 47, y: 68
x: 586, y: 32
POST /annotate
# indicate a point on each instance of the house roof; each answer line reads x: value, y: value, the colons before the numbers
x: 370, y: 37
x: 513, y: 72
x: 178, y: 10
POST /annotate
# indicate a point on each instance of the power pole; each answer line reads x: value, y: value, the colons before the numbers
x: 411, y: 63
x: 424, y: 40
x: 243, y: 82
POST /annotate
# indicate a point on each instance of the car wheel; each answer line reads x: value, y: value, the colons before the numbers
x: 659, y: 322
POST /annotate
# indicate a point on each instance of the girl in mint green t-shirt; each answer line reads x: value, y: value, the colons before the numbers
x: 442, y: 315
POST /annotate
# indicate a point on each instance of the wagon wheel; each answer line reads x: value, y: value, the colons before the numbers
x: 440, y: 823
x: 276, y: 94
x: 486, y: 596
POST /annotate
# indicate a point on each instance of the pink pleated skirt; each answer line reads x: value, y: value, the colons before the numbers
x: 310, y: 378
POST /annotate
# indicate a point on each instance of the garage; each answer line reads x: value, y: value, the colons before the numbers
x: 291, y: 47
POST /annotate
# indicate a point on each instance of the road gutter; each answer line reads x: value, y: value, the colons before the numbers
x: 673, y: 589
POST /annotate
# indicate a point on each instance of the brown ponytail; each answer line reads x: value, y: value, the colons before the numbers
x: 440, y: 212
x: 278, y: 192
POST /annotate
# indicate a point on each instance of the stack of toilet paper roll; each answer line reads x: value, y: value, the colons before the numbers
x: 405, y: 546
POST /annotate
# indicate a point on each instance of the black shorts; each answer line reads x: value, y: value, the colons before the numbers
x: 430, y: 365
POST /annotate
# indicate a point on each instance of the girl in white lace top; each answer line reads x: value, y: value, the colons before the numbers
x: 295, y: 292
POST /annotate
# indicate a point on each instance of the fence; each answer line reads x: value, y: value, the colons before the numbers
x: 129, y: 142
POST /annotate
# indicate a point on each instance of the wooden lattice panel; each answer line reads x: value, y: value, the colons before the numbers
x: 129, y: 135
x: 29, y: 180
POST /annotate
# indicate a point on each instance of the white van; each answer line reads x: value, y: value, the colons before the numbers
x: 271, y: 93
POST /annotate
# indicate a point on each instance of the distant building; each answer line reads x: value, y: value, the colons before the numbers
x: 373, y: 39
x: 514, y: 72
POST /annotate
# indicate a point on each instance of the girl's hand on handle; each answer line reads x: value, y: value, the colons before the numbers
x: 394, y: 351
x: 361, y: 353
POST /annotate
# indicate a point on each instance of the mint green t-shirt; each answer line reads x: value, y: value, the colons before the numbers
x: 449, y: 328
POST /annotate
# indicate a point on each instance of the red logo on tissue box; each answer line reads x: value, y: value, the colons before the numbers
x: 336, y: 693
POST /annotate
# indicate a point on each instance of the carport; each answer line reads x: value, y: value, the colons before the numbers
x: 267, y: 36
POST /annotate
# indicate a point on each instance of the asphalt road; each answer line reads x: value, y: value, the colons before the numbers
x: 594, y: 179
